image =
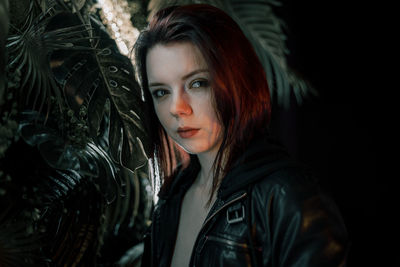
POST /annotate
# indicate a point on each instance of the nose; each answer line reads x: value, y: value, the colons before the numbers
x: 180, y: 105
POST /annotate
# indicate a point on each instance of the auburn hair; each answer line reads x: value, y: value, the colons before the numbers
x: 240, y: 89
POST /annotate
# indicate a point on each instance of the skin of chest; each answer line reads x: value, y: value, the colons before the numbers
x: 193, y: 213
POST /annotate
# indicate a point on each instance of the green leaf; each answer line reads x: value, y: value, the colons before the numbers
x: 127, y: 135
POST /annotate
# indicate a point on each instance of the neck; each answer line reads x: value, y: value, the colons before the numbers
x: 205, y: 176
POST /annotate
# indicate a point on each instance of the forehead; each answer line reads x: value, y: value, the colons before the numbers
x: 172, y: 61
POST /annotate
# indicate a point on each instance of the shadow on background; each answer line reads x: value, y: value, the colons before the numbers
x: 335, y: 134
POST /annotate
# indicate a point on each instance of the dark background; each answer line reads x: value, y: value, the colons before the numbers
x: 332, y: 44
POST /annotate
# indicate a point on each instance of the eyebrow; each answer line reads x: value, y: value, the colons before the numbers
x: 183, y: 78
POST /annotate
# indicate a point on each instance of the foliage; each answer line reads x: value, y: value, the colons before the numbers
x: 4, y: 22
x: 72, y: 147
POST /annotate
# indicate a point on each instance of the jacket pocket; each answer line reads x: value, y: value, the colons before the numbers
x: 230, y: 243
x: 223, y: 252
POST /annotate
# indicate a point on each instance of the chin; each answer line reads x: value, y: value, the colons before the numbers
x: 192, y: 150
x: 190, y: 147
x: 195, y: 149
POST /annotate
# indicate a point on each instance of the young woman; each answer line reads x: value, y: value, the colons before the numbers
x: 236, y: 198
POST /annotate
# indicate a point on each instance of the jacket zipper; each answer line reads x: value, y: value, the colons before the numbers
x: 212, y: 216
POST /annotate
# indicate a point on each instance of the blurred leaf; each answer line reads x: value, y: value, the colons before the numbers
x: 18, y: 247
x: 4, y: 23
x: 55, y: 216
x: 132, y: 256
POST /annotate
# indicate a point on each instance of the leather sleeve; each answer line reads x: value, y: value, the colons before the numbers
x: 303, y: 227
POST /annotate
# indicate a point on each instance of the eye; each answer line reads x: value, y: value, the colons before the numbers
x: 158, y: 93
x: 199, y: 83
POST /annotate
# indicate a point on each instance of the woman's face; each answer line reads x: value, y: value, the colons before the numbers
x: 179, y: 82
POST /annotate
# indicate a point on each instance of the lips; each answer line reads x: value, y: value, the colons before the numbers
x: 187, y: 132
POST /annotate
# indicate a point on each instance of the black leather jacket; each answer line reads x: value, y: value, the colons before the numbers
x: 268, y: 212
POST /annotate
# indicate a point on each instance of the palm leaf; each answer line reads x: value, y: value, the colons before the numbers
x: 70, y: 203
x: 102, y: 81
x: 29, y: 51
x: 264, y: 29
x: 125, y: 210
x: 127, y: 135
x: 76, y: 233
x: 64, y: 228
x: 100, y: 76
x: 18, y: 248
x: 127, y: 218
x: 81, y: 180
x: 90, y: 160
x: 42, y: 210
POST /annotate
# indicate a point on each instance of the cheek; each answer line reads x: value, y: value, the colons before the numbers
x: 217, y: 124
x: 210, y: 107
x: 212, y: 114
x: 162, y: 115
x: 217, y: 130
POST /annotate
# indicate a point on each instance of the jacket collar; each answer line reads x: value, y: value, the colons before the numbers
x: 264, y: 155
